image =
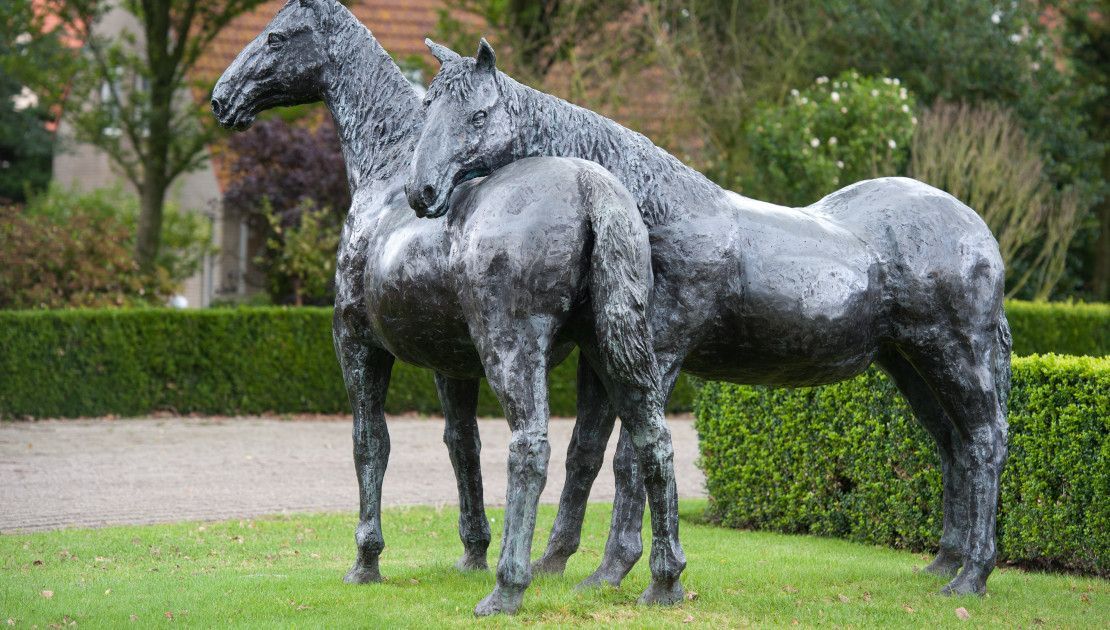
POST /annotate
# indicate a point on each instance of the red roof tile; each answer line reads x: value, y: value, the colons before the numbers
x: 400, y: 26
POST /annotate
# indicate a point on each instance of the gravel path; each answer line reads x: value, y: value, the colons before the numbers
x: 87, y: 473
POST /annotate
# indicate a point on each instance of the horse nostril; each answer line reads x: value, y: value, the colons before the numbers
x: 217, y: 107
x: 429, y: 194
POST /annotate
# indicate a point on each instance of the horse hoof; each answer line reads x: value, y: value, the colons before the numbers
x: 965, y: 584
x: 944, y: 565
x: 499, y: 602
x: 610, y: 572
x: 666, y: 594
x: 472, y: 562
x: 550, y: 565
x: 600, y: 578
x: 362, y: 575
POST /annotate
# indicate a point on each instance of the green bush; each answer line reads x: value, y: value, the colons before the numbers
x: 848, y: 460
x: 1043, y: 327
x: 72, y: 249
x: 833, y: 133
x: 220, y: 361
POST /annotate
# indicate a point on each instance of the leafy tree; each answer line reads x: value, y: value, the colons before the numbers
x: 1011, y: 54
x: 597, y: 53
x: 1088, y: 39
x: 34, y: 62
x: 286, y: 164
x: 731, y: 57
x: 134, y: 98
x: 534, y: 35
x: 26, y: 147
x: 972, y: 51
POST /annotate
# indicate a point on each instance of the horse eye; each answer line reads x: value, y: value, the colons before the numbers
x: 275, y: 38
x: 479, y: 118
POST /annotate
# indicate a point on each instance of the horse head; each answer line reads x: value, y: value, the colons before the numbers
x: 467, y: 130
x: 287, y: 64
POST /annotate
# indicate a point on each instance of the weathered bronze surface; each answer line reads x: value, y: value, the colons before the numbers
x: 888, y: 271
x: 542, y: 255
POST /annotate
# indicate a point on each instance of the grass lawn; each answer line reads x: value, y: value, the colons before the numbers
x: 286, y: 571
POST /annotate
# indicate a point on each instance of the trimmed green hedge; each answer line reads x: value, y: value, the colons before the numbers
x: 220, y: 361
x: 253, y: 360
x: 1044, y: 327
x: 848, y: 460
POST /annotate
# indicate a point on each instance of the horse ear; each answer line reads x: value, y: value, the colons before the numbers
x: 441, y: 52
x: 486, y: 58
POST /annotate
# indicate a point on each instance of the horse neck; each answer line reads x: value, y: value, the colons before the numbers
x: 376, y: 110
x: 665, y: 189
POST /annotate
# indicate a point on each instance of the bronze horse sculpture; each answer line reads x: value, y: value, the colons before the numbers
x: 541, y: 256
x: 888, y: 271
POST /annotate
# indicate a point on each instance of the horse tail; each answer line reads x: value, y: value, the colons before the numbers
x: 620, y: 279
x: 1002, y: 371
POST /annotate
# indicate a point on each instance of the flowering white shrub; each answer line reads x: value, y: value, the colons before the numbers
x: 833, y: 133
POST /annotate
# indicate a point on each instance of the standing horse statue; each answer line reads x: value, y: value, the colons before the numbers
x: 543, y: 255
x: 888, y: 271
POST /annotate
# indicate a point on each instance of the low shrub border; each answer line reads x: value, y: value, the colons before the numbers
x: 848, y: 460
x: 253, y: 360
x: 1056, y: 327
x: 220, y: 361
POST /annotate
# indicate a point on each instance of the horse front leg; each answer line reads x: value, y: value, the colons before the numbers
x: 517, y: 374
x: 641, y: 412
x: 460, y: 404
x: 366, y: 371
x: 585, y: 456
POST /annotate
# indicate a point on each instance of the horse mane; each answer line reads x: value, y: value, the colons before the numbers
x: 376, y: 109
x: 661, y: 184
x: 453, y: 79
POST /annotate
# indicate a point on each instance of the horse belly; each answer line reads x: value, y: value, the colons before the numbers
x: 803, y: 320
x: 415, y: 310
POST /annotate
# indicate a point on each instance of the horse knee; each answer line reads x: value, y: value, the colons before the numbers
x: 585, y: 458
x: 653, y: 442
x: 370, y: 446
x: 528, y: 453
x: 457, y: 440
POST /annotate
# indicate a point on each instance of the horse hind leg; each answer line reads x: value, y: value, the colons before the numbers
x: 645, y: 465
x: 969, y: 373
x: 929, y: 413
x: 459, y: 398
x: 625, y: 545
x: 641, y: 413
x: 585, y: 456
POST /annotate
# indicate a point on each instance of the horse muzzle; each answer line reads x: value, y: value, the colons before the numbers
x: 427, y: 201
x: 229, y: 110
